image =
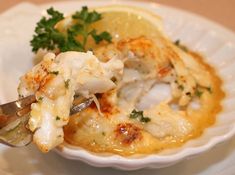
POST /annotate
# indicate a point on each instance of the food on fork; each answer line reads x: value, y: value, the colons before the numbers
x: 54, y: 82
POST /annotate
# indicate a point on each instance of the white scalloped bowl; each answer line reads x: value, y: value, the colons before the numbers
x: 216, y: 43
x: 218, y: 46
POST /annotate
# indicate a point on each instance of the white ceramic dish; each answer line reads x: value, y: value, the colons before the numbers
x: 212, y: 40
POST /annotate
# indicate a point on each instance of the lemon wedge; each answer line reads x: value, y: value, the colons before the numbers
x: 128, y: 21
x: 121, y: 22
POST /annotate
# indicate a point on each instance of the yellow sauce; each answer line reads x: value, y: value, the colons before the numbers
x: 97, y: 133
x: 82, y: 133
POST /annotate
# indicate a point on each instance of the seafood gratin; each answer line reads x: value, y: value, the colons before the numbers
x: 149, y: 93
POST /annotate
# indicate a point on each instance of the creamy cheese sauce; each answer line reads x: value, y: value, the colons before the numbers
x: 115, y: 132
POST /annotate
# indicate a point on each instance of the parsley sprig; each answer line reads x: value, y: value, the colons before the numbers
x: 48, y: 37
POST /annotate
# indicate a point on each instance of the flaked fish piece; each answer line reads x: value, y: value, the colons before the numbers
x: 54, y: 82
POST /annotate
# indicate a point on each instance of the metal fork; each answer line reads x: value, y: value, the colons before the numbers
x: 14, y: 118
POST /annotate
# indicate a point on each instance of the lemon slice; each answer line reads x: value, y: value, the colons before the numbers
x: 121, y: 22
x: 128, y: 21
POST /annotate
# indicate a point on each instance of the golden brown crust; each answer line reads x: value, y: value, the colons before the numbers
x: 124, y: 136
x: 127, y: 133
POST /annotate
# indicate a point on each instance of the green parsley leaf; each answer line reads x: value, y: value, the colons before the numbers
x: 136, y: 114
x: 57, y: 118
x: 209, y: 89
x: 139, y: 115
x: 182, y: 47
x: 47, y: 37
x: 71, y: 44
x: 177, y: 42
x: 66, y: 83
x: 21, y: 96
x: 87, y: 17
x: 40, y: 98
x: 54, y: 72
x: 181, y: 87
x: 99, y: 37
x: 198, y: 93
x: 145, y: 119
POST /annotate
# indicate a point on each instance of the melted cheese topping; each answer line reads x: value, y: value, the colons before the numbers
x: 54, y: 81
x: 189, y: 104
